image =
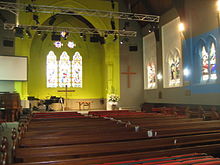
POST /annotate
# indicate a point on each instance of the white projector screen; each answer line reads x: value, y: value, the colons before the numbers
x: 13, y: 68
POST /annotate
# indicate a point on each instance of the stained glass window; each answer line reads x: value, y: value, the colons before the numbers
x: 77, y: 70
x: 212, y: 66
x: 151, y: 73
x: 174, y: 70
x: 51, y: 70
x: 64, y: 70
x: 205, y: 64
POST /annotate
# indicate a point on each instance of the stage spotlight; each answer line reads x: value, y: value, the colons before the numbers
x: 52, y: 20
x: 126, y: 24
x: 28, y: 33
x: 113, y: 23
x: 124, y: 40
x: 115, y: 37
x: 64, y: 35
x: 38, y: 33
x: 102, y: 40
x: 106, y: 35
x: 30, y: 8
x: 36, y: 19
x: 55, y: 37
x: 19, y: 32
x: 84, y: 37
x: 81, y: 35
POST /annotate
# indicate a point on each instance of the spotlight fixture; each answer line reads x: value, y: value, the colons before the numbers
x: 55, y: 37
x: 124, y: 40
x: 19, y: 32
x: 38, y: 33
x: 52, y: 20
x: 115, y: 37
x: 30, y: 8
x: 126, y: 24
x: 36, y: 19
x: 113, y: 23
x: 102, y: 40
x: 106, y: 35
x: 64, y: 35
x: 28, y: 33
x: 84, y: 37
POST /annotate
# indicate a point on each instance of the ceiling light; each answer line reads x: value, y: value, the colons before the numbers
x: 181, y: 27
x: 218, y: 5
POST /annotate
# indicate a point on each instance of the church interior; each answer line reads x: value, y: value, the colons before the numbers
x: 109, y: 82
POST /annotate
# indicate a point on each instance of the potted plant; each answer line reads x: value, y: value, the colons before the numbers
x: 113, y: 100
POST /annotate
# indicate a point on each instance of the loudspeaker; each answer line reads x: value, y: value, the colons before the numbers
x: 133, y: 48
x: 8, y: 43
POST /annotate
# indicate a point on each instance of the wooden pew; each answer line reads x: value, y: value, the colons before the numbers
x: 117, y: 144
x: 57, y: 152
x: 209, y: 149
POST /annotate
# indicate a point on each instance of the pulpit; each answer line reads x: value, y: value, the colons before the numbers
x: 10, y: 105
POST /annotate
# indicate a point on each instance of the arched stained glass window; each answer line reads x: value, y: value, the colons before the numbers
x: 151, y: 73
x: 77, y: 70
x: 64, y: 70
x: 51, y: 70
x: 205, y: 64
x: 174, y: 69
x: 212, y: 66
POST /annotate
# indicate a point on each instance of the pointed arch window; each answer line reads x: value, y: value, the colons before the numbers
x: 51, y: 70
x: 205, y: 64
x: 208, y: 63
x: 212, y: 65
x: 77, y: 70
x: 64, y: 70
x: 151, y: 75
x: 174, y: 69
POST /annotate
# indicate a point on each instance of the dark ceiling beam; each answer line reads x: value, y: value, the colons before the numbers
x: 135, y: 3
x: 148, y: 7
x: 180, y: 7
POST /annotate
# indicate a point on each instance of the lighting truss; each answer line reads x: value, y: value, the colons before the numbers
x: 122, y: 33
x: 15, y: 7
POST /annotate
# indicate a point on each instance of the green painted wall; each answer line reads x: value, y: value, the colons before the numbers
x: 100, y: 62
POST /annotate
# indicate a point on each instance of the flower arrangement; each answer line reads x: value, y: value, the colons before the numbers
x: 113, y: 98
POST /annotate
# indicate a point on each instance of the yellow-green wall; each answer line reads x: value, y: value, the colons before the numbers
x: 100, y: 62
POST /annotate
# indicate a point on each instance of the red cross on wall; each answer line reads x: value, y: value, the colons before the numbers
x: 128, y: 73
